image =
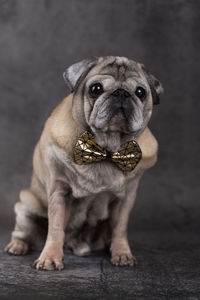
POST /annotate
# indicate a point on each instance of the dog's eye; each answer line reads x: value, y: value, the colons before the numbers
x: 140, y: 93
x: 95, y: 90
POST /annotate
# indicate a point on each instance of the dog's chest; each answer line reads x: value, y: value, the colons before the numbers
x: 95, y: 178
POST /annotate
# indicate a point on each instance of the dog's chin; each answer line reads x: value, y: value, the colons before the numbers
x: 118, y: 123
x: 114, y: 132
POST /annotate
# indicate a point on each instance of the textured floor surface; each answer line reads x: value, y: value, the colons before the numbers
x: 168, y: 268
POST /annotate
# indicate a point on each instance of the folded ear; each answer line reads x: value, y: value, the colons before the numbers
x: 155, y: 85
x: 77, y: 72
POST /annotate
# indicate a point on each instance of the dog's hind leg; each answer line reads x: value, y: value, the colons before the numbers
x: 76, y: 243
x: 25, y: 226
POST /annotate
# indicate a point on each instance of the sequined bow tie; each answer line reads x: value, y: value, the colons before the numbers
x: 87, y: 151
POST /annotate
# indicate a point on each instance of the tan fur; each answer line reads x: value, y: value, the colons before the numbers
x: 61, y: 130
x: 70, y: 195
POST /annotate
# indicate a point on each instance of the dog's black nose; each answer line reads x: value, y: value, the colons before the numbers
x: 121, y: 93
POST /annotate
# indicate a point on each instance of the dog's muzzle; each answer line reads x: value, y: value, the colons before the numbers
x: 121, y: 102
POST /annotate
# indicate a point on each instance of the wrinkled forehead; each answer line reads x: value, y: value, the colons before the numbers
x: 121, y: 68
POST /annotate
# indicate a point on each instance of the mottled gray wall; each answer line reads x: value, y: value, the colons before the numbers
x: 38, y: 39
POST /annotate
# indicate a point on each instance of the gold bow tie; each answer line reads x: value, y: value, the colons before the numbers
x: 87, y: 151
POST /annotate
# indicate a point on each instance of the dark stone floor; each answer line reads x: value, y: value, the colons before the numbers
x: 168, y: 268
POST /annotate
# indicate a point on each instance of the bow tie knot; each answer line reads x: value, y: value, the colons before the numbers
x: 87, y: 151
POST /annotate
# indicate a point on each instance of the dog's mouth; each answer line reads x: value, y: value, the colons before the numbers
x: 114, y: 122
x: 116, y: 116
x: 120, y: 123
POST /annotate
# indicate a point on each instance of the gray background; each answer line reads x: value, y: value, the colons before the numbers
x: 39, y: 39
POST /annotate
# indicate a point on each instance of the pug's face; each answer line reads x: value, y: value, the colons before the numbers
x: 112, y: 94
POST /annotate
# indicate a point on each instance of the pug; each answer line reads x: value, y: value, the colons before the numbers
x: 88, y: 162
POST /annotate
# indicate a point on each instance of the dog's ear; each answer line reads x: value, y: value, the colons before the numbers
x: 155, y: 85
x: 77, y: 72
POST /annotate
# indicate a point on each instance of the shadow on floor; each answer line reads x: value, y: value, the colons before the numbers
x: 168, y: 268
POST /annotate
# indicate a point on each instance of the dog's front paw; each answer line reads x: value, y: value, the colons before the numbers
x: 48, y: 263
x: 17, y: 247
x: 51, y: 258
x: 123, y: 259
